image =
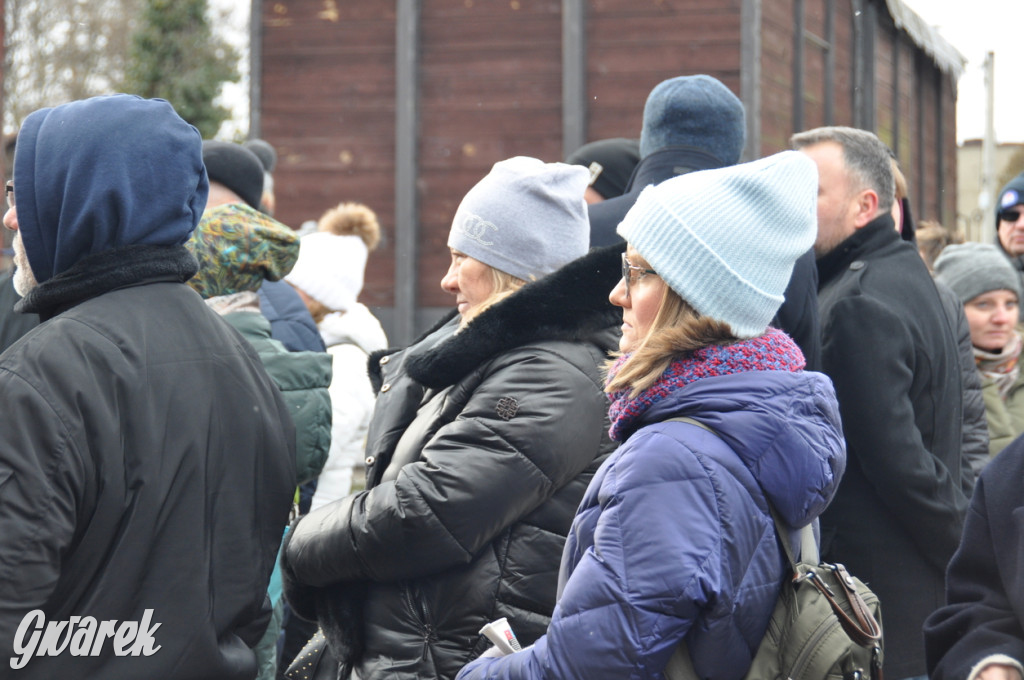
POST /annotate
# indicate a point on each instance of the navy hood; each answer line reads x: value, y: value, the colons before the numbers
x: 105, y: 173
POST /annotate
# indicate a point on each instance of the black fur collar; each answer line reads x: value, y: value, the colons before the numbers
x: 103, y: 272
x: 569, y: 304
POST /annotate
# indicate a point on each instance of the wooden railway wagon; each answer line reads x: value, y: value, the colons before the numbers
x: 405, y: 104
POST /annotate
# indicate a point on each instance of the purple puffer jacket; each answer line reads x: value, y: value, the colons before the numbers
x: 674, y: 538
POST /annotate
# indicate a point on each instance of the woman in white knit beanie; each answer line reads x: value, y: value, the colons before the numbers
x: 329, y: 278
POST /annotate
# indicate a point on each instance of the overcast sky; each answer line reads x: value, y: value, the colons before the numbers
x: 976, y: 27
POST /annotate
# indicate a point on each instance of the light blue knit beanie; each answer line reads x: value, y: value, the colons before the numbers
x: 694, y: 111
x: 526, y: 218
x: 726, y: 240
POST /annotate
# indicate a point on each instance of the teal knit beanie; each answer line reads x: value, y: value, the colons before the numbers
x: 726, y: 240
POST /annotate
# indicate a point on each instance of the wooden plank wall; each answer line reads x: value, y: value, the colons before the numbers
x: 328, y: 106
x: 633, y: 45
x: 490, y: 87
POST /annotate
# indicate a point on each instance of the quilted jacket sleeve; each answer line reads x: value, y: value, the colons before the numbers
x: 40, y: 480
x: 626, y: 605
x: 480, y: 472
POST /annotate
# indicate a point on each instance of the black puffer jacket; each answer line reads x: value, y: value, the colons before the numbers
x: 481, y: 446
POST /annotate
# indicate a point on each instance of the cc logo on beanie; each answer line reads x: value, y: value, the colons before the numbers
x: 475, y: 227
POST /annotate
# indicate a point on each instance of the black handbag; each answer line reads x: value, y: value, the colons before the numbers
x: 315, y: 661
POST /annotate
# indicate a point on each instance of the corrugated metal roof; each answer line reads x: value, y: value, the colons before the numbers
x: 947, y: 58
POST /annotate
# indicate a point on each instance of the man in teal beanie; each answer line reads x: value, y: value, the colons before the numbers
x: 146, y: 458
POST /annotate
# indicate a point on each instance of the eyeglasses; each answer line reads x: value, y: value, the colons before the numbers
x: 1009, y: 215
x: 632, y: 274
x: 10, y: 194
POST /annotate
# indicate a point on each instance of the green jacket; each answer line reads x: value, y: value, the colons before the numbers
x: 1005, y: 416
x: 303, y: 378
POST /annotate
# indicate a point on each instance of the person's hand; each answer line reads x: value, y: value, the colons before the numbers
x: 999, y: 671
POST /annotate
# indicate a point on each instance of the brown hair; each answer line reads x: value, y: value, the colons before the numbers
x: 678, y: 331
x: 932, y: 238
x: 317, y: 309
x: 352, y: 219
x: 900, y: 181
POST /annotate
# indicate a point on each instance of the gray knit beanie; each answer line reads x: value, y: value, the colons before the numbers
x: 726, y: 240
x: 972, y: 269
x: 526, y: 218
x: 694, y: 111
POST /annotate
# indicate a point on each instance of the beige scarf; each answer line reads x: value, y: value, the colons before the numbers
x: 1001, y: 367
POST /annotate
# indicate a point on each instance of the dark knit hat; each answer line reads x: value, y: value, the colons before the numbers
x: 235, y: 167
x: 1010, y: 195
x: 264, y: 151
x: 695, y: 111
x: 611, y: 163
x: 238, y: 248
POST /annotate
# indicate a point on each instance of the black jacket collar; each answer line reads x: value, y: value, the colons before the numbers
x: 668, y: 162
x: 569, y: 304
x: 872, y: 236
x: 103, y: 272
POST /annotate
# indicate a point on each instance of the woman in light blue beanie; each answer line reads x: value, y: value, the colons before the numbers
x: 674, y: 539
x: 484, y: 435
x: 989, y: 288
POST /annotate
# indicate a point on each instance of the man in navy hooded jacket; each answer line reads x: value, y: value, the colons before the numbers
x: 146, y: 459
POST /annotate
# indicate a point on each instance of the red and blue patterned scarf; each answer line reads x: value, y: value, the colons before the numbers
x: 773, y: 351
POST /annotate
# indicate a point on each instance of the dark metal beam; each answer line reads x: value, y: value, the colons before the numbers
x: 750, y: 74
x: 255, y: 68
x: 799, y: 56
x: 574, y: 75
x: 407, y: 45
x: 830, y: 63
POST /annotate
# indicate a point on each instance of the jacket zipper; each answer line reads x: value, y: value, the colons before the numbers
x: 419, y: 609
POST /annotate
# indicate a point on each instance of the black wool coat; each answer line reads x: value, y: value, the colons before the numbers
x: 984, y: 615
x: 892, y: 355
x: 480, y: 448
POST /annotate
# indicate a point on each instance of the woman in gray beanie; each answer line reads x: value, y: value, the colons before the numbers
x: 989, y: 288
x: 484, y: 435
x: 674, y: 540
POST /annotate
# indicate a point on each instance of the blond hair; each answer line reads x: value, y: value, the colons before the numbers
x: 352, y: 219
x: 678, y: 331
x: 503, y: 285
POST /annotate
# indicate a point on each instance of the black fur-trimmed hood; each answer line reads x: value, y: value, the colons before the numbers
x: 569, y: 304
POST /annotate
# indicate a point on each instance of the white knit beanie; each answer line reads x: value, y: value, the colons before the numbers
x: 726, y: 240
x: 330, y: 269
x: 526, y: 218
